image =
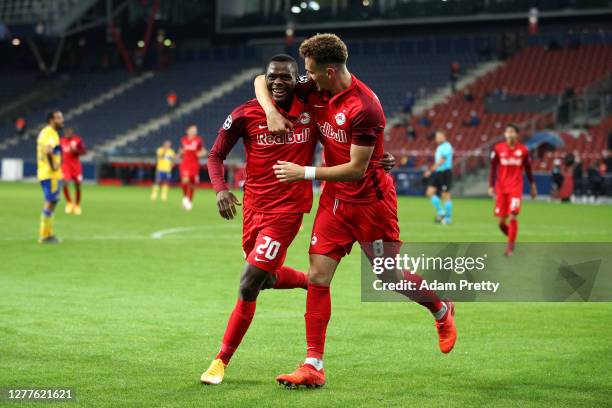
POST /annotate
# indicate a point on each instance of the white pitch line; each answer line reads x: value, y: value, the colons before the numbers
x: 162, y: 233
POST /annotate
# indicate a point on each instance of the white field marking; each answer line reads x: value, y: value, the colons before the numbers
x: 155, y: 235
x: 162, y: 233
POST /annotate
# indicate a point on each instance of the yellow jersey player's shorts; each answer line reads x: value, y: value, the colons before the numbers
x: 51, y: 188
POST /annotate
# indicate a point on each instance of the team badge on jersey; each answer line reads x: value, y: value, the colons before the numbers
x: 228, y: 122
x: 518, y: 153
x: 304, y: 118
x: 303, y: 79
x: 313, y: 240
x: 340, y: 119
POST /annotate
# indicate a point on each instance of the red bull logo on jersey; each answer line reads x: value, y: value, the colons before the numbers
x: 511, y: 161
x: 327, y: 130
x: 289, y: 138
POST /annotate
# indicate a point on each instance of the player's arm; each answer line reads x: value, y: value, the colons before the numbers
x: 493, y: 172
x: 81, y: 148
x: 533, y: 191
x: 435, y: 166
x: 350, y: 171
x: 226, y: 139
x: 49, y: 155
x: 277, y: 123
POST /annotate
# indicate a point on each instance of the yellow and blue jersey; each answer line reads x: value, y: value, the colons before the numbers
x: 48, y: 137
x: 165, y: 158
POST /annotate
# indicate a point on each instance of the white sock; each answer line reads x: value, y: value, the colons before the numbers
x: 315, y: 362
x: 440, y: 313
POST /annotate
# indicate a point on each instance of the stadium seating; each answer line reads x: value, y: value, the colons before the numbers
x: 531, y: 71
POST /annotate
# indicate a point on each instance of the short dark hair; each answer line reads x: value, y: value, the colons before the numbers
x: 51, y: 114
x: 285, y: 58
x: 514, y: 126
x: 325, y: 49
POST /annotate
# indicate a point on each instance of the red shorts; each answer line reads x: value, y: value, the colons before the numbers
x: 72, y: 175
x: 338, y: 224
x: 508, y: 203
x: 266, y: 237
x: 191, y: 173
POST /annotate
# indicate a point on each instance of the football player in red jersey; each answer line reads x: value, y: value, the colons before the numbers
x: 508, y: 161
x: 72, y: 150
x: 273, y: 211
x: 191, y: 150
x: 359, y: 201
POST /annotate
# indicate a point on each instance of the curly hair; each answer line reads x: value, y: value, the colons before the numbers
x: 324, y: 49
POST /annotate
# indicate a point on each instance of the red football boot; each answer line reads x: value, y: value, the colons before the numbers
x: 447, y: 332
x: 305, y: 375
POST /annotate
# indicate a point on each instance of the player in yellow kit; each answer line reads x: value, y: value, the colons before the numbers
x: 49, y: 170
x: 165, y: 159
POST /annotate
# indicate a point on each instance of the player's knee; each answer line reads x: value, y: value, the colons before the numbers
x: 319, y: 276
x: 251, y: 282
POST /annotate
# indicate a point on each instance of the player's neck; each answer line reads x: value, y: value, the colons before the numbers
x: 285, y: 104
x: 344, y: 82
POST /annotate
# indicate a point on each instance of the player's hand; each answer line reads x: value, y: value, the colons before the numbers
x: 427, y: 173
x: 226, y: 203
x: 286, y: 171
x: 534, y: 190
x: 388, y: 162
x: 491, y: 192
x: 278, y: 124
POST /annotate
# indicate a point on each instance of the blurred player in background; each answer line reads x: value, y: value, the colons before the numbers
x: 72, y: 149
x: 49, y: 172
x: 508, y: 161
x: 441, y: 179
x: 163, y: 171
x: 192, y: 148
x: 359, y: 202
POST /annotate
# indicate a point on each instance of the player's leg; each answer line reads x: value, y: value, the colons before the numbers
x: 502, y: 207
x: 77, y: 193
x: 193, y: 182
x: 432, y: 194
x: 448, y: 207
x: 266, y: 239
x: 251, y: 282
x: 383, y: 239
x: 445, y: 188
x: 66, y: 188
x: 318, y: 313
x: 503, y: 225
x: 164, y: 187
x: 185, y: 179
x: 155, y: 188
x: 331, y: 240
x: 51, y: 190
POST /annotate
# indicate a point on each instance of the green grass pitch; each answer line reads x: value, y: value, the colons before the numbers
x: 130, y: 320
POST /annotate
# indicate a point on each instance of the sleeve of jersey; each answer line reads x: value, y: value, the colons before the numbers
x: 304, y: 87
x: 493, y: 170
x: 82, y: 148
x: 227, y: 137
x: 366, y: 126
x: 527, y: 165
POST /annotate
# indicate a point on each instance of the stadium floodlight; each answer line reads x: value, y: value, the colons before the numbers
x: 16, y: 42
x: 303, y: 5
x: 296, y: 10
x: 167, y: 42
x: 314, y: 5
x: 141, y: 44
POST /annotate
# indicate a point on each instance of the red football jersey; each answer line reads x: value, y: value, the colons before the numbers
x: 262, y: 190
x: 353, y: 116
x: 72, y: 148
x: 191, y: 147
x: 507, y: 164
